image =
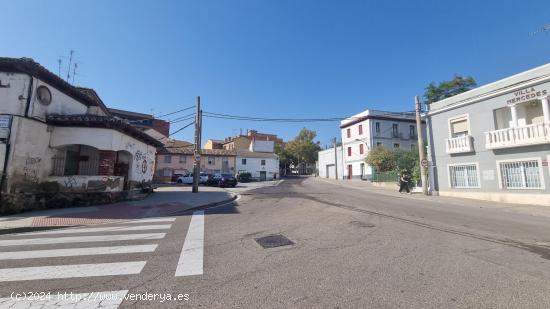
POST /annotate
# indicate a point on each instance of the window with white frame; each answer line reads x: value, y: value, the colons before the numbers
x: 463, y: 176
x: 520, y: 174
x: 459, y: 126
x: 167, y: 159
x: 377, y: 128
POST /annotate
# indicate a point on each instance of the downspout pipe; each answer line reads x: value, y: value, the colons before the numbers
x: 29, y: 96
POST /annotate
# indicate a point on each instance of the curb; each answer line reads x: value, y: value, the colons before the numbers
x: 205, y: 206
x: 28, y: 229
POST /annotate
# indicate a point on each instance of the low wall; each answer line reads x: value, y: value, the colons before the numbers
x: 81, y: 183
x: 513, y: 198
x: 386, y: 185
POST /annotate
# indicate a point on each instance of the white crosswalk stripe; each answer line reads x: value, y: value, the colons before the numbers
x: 151, y: 220
x: 77, y: 239
x: 101, y: 229
x: 191, y: 258
x: 71, y: 271
x: 46, y: 261
x: 34, y: 254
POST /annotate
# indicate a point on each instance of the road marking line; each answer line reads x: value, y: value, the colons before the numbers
x: 192, y: 253
x: 107, y: 299
x: 102, y: 229
x: 76, y: 239
x: 150, y: 220
x: 70, y: 271
x: 34, y: 254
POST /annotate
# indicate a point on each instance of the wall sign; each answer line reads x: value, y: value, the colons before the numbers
x: 527, y: 94
x: 5, y: 121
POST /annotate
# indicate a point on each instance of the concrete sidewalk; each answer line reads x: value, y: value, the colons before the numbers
x: 417, y: 197
x: 164, y: 202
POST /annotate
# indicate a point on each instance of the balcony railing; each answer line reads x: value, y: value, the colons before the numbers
x: 534, y: 134
x: 460, y: 144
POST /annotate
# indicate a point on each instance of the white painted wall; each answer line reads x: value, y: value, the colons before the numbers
x: 13, y: 99
x: 253, y: 166
x: 33, y: 142
x: 261, y: 146
x: 370, y: 138
x: 325, y: 158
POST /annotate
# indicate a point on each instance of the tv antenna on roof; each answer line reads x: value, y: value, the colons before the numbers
x: 545, y: 28
x: 70, y: 63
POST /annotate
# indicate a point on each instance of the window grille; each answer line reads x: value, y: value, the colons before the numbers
x: 464, y: 176
x: 520, y: 175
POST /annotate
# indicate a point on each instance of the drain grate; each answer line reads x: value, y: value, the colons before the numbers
x: 272, y: 241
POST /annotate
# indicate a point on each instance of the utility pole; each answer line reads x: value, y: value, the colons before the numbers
x: 334, y: 140
x: 197, y: 154
x: 423, y: 161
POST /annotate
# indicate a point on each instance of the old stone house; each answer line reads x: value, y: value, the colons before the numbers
x: 60, y: 145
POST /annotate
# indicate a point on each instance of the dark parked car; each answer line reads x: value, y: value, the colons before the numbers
x: 226, y: 180
x: 175, y: 177
x: 244, y: 177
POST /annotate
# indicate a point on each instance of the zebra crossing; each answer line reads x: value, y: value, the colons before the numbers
x: 91, y: 244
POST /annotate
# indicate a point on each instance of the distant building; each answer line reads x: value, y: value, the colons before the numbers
x: 369, y: 129
x: 259, y: 160
x: 328, y: 167
x: 493, y: 142
x: 213, y: 144
x: 143, y: 121
x: 243, y: 141
x: 177, y: 158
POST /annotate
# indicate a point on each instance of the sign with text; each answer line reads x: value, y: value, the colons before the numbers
x: 527, y: 94
x: 5, y: 121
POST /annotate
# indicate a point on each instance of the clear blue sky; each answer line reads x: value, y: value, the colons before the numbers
x: 283, y: 58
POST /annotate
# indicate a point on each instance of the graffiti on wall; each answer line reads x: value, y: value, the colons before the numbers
x: 104, y: 184
x: 81, y: 183
x: 31, y: 168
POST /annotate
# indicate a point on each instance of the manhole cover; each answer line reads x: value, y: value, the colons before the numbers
x: 273, y: 241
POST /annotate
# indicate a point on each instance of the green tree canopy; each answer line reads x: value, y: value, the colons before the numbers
x: 448, y: 88
x: 382, y: 159
x: 302, y: 148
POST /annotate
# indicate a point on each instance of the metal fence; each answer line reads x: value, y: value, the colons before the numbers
x: 391, y: 176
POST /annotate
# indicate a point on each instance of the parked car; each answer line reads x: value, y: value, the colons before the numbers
x: 175, y: 177
x: 188, y: 179
x: 203, y: 178
x: 244, y: 177
x: 227, y: 180
x: 211, y: 180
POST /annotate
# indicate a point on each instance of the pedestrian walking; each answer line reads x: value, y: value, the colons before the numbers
x: 404, y: 183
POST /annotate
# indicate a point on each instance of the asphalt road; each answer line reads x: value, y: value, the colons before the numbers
x: 352, y: 249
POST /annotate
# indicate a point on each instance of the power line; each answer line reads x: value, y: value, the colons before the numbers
x: 248, y: 118
x: 181, y: 118
x: 178, y: 130
x: 178, y: 111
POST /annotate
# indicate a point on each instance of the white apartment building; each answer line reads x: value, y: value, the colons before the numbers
x: 371, y: 128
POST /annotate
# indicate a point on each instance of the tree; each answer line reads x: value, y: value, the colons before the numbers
x: 448, y: 88
x: 302, y: 149
x: 382, y: 159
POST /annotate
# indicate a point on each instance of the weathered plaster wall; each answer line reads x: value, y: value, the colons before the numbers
x: 89, y: 183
